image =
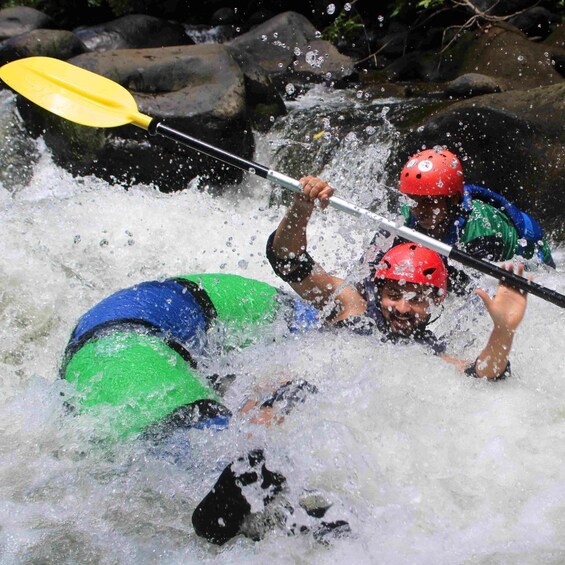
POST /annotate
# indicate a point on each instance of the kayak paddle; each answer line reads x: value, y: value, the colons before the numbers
x: 89, y: 99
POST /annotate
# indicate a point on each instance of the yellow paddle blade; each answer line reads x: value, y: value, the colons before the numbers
x: 73, y: 93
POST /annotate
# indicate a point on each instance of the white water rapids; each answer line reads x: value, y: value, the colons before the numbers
x: 428, y: 466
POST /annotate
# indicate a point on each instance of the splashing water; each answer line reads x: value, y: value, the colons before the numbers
x: 427, y: 466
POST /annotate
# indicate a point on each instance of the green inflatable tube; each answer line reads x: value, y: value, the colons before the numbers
x: 131, y: 358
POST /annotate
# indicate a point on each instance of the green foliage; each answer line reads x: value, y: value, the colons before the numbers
x: 344, y: 26
x: 427, y: 4
x: 402, y: 6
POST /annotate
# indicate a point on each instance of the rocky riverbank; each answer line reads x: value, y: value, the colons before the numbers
x: 498, y: 91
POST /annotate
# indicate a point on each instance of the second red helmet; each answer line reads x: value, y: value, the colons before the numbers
x: 433, y: 172
x: 413, y: 263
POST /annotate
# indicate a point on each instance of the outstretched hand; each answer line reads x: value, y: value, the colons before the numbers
x: 316, y: 189
x: 508, y: 305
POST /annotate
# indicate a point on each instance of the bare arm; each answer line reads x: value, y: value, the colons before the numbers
x: 507, y: 310
x: 290, y: 240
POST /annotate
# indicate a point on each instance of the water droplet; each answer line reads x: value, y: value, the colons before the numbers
x: 313, y: 60
x: 289, y: 88
x: 104, y: 243
x: 522, y: 242
x: 318, y: 34
x: 131, y: 242
x: 347, y: 7
x: 520, y: 58
x: 76, y: 239
x: 264, y: 38
x: 330, y: 9
x: 242, y: 264
x: 297, y: 51
x: 252, y: 170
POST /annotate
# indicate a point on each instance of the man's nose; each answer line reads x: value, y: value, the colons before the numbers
x: 402, y: 306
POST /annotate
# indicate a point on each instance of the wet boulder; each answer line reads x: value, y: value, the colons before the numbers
x: 555, y: 47
x: 535, y: 22
x: 556, y: 38
x: 471, y: 84
x: 21, y: 19
x: 263, y: 101
x: 197, y: 89
x: 60, y: 44
x: 503, y: 53
x: 134, y: 31
x: 321, y: 61
x: 288, y: 49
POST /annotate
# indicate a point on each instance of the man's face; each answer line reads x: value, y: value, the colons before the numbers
x: 407, y: 307
x: 432, y: 212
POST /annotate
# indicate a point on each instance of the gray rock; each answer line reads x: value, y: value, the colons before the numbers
x: 60, y: 44
x: 287, y: 49
x: 472, y: 84
x: 322, y: 61
x: 21, y: 19
x: 132, y: 32
x: 503, y: 53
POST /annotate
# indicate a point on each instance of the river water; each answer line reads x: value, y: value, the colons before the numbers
x: 427, y: 465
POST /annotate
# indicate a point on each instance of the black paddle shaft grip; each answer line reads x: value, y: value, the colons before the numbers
x: 157, y: 126
x: 510, y: 279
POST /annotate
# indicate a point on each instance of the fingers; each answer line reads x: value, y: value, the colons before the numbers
x: 484, y: 297
x: 519, y: 271
x: 317, y: 189
x: 510, y: 268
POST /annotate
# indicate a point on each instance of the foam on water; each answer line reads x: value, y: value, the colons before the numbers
x: 427, y: 465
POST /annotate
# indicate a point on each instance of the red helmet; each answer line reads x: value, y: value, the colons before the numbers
x: 413, y: 263
x: 433, y: 172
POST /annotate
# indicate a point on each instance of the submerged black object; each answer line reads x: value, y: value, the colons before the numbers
x: 220, y: 515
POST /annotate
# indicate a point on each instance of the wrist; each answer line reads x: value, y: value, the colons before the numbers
x: 503, y: 333
x: 300, y: 202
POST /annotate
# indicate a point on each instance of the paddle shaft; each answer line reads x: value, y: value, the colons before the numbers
x: 90, y: 99
x: 511, y: 279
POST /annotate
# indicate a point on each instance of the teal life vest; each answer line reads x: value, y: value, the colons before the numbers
x: 530, y: 233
